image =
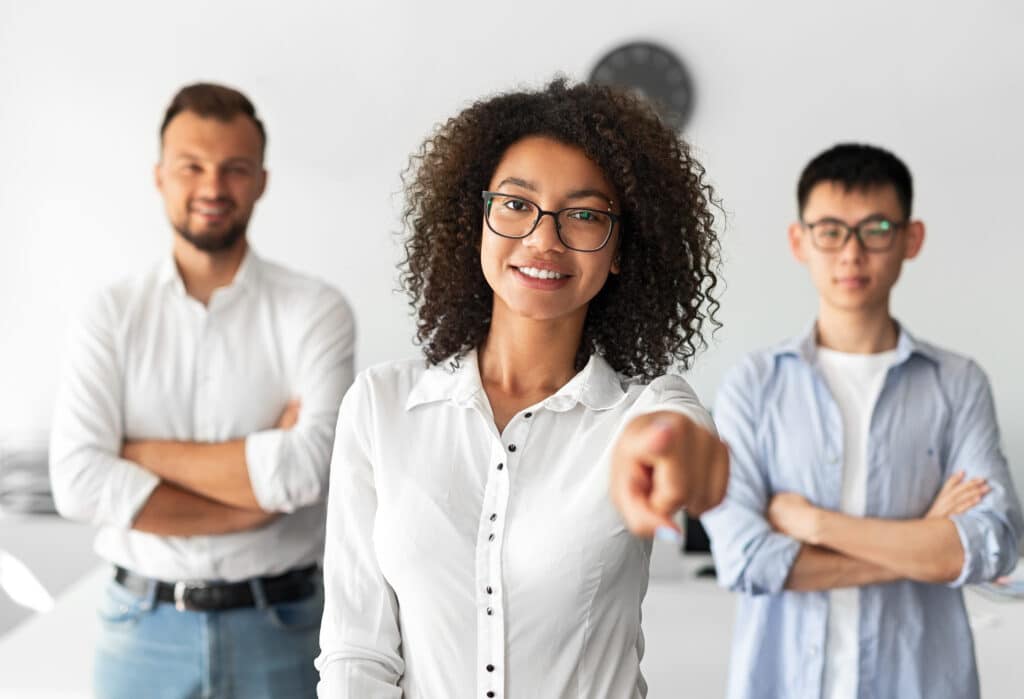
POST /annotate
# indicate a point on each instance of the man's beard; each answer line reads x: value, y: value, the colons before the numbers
x: 214, y: 242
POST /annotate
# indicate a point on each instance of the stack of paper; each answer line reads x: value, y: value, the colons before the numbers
x: 24, y: 476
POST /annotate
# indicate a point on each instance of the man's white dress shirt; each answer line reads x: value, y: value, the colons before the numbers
x: 147, y: 361
x: 462, y: 562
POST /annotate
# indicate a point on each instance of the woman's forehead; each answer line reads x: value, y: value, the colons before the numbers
x: 544, y: 165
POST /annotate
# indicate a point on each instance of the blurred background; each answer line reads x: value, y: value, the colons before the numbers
x: 348, y: 90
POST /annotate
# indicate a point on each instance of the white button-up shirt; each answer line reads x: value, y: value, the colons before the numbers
x: 462, y: 562
x: 147, y: 361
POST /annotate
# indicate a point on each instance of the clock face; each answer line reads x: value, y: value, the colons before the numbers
x: 654, y: 72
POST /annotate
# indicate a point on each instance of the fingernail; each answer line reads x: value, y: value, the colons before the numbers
x: 668, y: 534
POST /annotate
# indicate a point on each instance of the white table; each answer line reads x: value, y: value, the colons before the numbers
x: 688, y: 626
x: 687, y: 623
x: 57, y: 551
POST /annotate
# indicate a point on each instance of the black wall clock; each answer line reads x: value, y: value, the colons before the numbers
x: 655, y: 72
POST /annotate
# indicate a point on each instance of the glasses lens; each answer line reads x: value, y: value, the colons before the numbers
x: 584, y: 229
x: 510, y: 216
x: 877, y: 235
x: 829, y: 235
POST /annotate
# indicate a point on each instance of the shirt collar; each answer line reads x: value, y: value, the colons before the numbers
x: 597, y: 386
x: 805, y: 346
x: 245, y: 278
x: 455, y: 379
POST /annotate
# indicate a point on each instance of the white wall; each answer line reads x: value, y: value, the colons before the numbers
x: 347, y: 92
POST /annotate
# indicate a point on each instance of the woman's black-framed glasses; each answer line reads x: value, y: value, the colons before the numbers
x: 580, y: 229
x: 874, y: 234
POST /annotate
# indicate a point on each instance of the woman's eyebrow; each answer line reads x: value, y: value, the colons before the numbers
x: 576, y: 194
x: 586, y: 193
x: 518, y: 182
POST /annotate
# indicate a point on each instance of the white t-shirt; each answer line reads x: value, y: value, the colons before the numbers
x: 855, y: 381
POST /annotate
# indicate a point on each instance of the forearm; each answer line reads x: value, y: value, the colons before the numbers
x: 172, y: 511
x: 816, y: 568
x: 216, y: 471
x: 926, y: 550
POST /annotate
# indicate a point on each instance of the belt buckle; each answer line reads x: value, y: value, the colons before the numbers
x: 181, y: 589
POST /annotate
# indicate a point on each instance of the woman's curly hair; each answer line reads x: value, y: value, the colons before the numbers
x: 645, y: 318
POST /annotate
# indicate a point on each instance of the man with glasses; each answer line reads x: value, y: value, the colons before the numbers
x: 867, y: 484
x: 194, y: 427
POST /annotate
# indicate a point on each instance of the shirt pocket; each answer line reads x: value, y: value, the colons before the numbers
x: 908, y: 478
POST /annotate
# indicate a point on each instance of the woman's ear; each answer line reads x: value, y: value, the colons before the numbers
x: 616, y: 266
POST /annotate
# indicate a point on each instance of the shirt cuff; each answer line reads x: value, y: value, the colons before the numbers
x: 769, y: 566
x: 978, y: 545
x: 262, y: 457
x: 777, y: 562
x: 128, y: 492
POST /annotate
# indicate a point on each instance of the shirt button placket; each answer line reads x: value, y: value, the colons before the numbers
x: 200, y: 389
x: 491, y: 623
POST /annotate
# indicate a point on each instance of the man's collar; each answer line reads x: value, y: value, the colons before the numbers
x: 245, y: 277
x: 805, y: 346
x: 597, y: 387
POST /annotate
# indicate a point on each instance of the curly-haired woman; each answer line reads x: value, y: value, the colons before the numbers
x: 561, y: 257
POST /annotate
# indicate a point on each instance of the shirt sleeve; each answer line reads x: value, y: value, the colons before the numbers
x: 288, y: 469
x: 360, y: 641
x: 749, y: 555
x: 90, y: 482
x: 991, y: 530
x: 674, y: 393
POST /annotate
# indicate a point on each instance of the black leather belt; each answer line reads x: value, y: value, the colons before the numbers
x: 210, y: 596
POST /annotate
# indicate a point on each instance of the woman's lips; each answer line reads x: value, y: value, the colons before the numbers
x: 540, y: 283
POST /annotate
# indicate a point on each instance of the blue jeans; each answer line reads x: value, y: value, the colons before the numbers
x: 150, y: 650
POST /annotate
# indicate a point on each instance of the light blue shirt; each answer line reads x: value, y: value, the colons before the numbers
x: 934, y: 416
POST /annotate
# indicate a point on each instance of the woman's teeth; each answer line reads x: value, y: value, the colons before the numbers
x: 540, y: 273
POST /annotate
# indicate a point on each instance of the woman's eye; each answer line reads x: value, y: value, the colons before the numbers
x: 587, y: 216
x: 516, y: 205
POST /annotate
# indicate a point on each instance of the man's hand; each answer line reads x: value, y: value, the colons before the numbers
x: 957, y: 496
x: 794, y: 516
x: 289, y: 416
x: 662, y: 462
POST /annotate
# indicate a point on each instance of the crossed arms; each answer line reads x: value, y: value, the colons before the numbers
x: 204, y: 489
x: 843, y: 551
x: 765, y: 541
x: 178, y: 488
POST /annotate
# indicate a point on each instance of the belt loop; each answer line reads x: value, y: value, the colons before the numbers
x: 149, y: 599
x: 259, y: 594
